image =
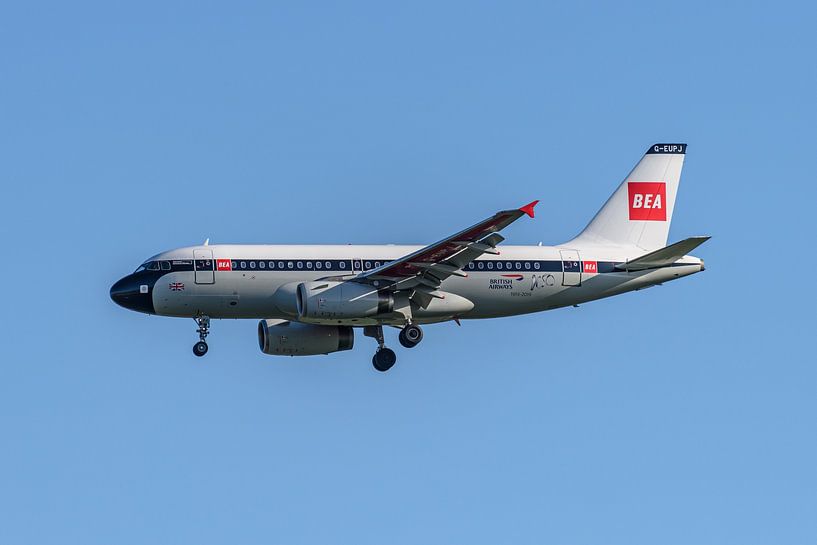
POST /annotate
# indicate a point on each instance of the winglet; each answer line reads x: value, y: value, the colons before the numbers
x: 528, y: 208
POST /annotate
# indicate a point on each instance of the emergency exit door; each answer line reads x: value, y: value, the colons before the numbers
x: 204, y: 266
x: 571, y: 268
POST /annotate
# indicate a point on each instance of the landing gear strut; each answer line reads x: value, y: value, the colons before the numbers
x: 384, y: 358
x: 410, y: 336
x: 200, y: 348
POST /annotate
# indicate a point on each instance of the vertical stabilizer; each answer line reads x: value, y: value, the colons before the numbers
x: 640, y: 211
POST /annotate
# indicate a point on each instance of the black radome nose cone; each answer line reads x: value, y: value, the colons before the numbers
x: 118, y: 292
x: 133, y: 294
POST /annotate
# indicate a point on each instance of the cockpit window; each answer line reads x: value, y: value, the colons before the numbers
x: 148, y: 266
x: 162, y: 266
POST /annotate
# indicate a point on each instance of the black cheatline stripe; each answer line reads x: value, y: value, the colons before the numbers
x: 346, y: 265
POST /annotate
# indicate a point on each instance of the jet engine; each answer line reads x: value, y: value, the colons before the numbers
x: 339, y: 300
x: 296, y: 339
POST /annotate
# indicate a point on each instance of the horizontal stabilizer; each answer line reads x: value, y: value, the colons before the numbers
x: 663, y: 257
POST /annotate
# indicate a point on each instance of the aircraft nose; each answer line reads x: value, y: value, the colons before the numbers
x: 119, y: 291
x: 133, y: 293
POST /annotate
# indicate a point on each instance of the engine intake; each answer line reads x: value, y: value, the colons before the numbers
x: 296, y: 339
x: 342, y: 300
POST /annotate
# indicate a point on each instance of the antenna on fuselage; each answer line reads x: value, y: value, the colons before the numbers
x: 207, y: 241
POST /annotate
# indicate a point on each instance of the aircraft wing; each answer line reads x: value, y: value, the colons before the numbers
x: 423, y: 271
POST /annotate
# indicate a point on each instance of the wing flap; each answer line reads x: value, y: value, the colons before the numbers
x: 443, y: 268
x: 423, y: 295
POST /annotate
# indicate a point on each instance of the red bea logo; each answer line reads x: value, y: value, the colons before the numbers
x: 591, y: 267
x: 224, y: 265
x: 647, y: 201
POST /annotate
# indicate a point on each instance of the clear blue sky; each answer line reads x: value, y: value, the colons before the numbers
x: 677, y: 415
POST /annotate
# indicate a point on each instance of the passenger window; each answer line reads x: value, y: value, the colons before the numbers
x: 234, y: 265
x: 490, y: 265
x: 262, y: 264
x: 281, y: 265
x: 342, y: 264
x: 252, y: 264
x: 318, y: 264
x: 272, y: 264
x: 290, y: 265
x: 518, y: 265
x: 300, y: 265
x: 308, y: 264
x: 357, y: 265
x: 243, y: 264
x: 536, y: 265
x: 480, y: 265
x: 328, y: 265
x: 368, y: 265
x: 499, y: 265
x: 527, y: 265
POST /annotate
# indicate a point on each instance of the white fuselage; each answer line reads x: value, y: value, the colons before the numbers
x: 241, y: 281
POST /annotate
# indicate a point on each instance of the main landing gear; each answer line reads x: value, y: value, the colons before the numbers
x: 385, y: 358
x: 200, y: 348
x: 410, y: 336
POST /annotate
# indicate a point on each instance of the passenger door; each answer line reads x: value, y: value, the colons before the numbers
x: 571, y: 268
x: 204, y: 266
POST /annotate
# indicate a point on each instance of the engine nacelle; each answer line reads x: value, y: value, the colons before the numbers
x: 341, y: 300
x: 296, y: 339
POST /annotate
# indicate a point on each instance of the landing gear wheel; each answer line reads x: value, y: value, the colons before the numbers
x: 384, y: 359
x: 410, y: 336
x: 200, y: 348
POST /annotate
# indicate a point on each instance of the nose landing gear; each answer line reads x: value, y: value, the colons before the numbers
x: 200, y: 348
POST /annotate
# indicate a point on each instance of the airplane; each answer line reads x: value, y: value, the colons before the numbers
x: 311, y: 298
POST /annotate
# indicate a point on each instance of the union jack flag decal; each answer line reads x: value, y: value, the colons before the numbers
x: 176, y: 286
